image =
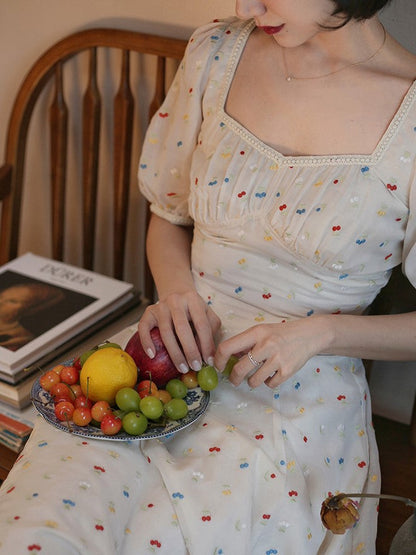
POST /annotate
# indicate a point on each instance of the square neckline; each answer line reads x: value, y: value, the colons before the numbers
x: 246, y: 28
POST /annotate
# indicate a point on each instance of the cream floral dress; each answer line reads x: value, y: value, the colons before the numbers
x: 276, y: 238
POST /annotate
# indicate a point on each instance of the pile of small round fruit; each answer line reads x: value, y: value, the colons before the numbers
x: 132, y: 410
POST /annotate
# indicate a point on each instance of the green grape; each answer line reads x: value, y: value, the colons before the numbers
x: 151, y: 407
x: 128, y: 399
x: 108, y: 344
x: 176, y: 388
x: 134, y: 423
x: 231, y: 362
x: 85, y: 355
x: 175, y: 409
x: 207, y: 378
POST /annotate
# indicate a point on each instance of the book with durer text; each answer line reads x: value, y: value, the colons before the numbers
x: 44, y: 303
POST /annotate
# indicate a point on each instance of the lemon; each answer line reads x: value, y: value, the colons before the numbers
x: 105, y: 372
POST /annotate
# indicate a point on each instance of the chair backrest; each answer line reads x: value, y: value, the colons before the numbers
x: 95, y: 46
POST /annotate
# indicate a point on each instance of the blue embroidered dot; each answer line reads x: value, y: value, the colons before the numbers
x: 277, y: 195
x: 284, y: 432
x: 360, y: 241
x: 271, y: 552
x: 211, y: 183
x: 282, y: 463
x: 42, y: 444
x: 143, y: 166
x: 260, y: 195
x: 214, y: 37
x: 35, y: 495
x: 365, y: 169
x: 216, y: 58
x: 310, y: 312
x: 297, y: 385
x: 343, y: 276
x: 222, y: 124
x: 179, y: 143
x: 126, y: 493
x: 177, y: 495
x: 381, y: 244
x: 300, y: 211
x: 227, y: 180
x: 238, y: 290
x: 341, y: 460
x: 318, y: 209
x: 244, y: 465
x: 68, y: 502
x: 276, y: 395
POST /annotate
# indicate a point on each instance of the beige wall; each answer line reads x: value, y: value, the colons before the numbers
x: 27, y: 27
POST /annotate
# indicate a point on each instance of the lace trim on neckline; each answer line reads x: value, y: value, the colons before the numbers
x: 304, y: 160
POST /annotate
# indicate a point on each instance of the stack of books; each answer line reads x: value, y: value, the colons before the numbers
x: 15, y: 426
x: 46, y: 309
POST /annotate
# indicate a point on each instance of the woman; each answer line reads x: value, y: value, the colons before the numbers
x: 21, y: 301
x: 279, y: 172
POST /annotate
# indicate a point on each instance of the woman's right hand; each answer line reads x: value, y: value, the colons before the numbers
x: 187, y: 326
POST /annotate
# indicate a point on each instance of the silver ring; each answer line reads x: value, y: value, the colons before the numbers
x: 253, y: 361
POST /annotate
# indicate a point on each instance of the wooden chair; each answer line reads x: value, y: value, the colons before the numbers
x: 146, y: 57
x: 49, y: 71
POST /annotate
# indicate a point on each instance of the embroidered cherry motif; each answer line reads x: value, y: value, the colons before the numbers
x: 163, y: 115
x: 259, y: 436
x: 99, y: 527
x: 282, y: 207
x: 241, y: 194
x: 205, y: 518
x: 266, y: 517
x: 362, y: 464
x: 336, y: 228
x: 293, y: 493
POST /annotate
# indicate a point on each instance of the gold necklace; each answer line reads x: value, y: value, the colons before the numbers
x: 290, y: 77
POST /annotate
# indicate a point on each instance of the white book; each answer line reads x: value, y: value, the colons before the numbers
x: 44, y: 303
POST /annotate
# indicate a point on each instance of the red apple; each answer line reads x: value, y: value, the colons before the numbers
x: 159, y: 369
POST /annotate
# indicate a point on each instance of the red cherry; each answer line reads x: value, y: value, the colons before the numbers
x: 64, y: 411
x: 111, y: 424
x: 82, y: 402
x: 82, y: 416
x: 99, y: 410
x: 48, y: 380
x: 77, y: 364
x: 61, y: 391
x: 69, y: 375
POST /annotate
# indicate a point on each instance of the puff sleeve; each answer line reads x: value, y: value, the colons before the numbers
x: 409, y: 246
x: 170, y: 141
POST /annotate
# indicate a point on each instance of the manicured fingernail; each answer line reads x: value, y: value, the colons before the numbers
x: 196, y: 365
x: 210, y: 361
x: 150, y: 353
x: 183, y: 368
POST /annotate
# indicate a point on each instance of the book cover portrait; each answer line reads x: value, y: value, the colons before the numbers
x: 29, y: 307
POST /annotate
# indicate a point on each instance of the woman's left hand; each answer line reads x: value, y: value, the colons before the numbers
x: 273, y: 352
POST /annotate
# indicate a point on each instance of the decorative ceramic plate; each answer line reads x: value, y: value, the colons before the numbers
x: 196, y: 399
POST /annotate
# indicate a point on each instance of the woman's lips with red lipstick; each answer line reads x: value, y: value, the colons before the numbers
x: 272, y: 30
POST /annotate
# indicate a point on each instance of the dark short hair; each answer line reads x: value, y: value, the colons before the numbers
x: 358, y: 9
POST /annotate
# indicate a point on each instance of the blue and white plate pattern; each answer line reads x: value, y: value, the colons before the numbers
x: 196, y: 399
